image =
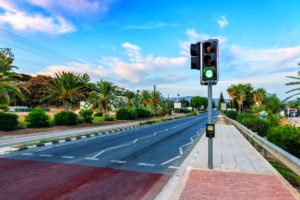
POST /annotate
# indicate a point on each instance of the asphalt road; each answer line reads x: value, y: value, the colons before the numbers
x: 131, y: 164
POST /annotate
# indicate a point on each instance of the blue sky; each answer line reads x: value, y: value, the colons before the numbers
x: 140, y: 43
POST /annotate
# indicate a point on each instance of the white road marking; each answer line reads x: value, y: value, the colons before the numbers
x: 43, y: 149
x: 192, y: 140
x: 118, y: 161
x: 173, y: 167
x: 68, y: 157
x: 91, y: 158
x: 146, y: 164
x: 172, y: 159
x: 27, y: 154
x: 46, y: 155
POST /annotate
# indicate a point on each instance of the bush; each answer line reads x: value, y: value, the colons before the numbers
x: 286, y: 137
x: 37, y: 118
x: 65, y: 118
x: 257, y: 125
x: 3, y: 108
x: 180, y: 110
x: 86, y: 115
x: 143, y: 113
x: 8, y: 121
x: 232, y: 114
x: 126, y: 114
x: 109, y: 118
x: 98, y: 114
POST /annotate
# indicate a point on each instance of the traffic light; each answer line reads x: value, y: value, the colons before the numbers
x: 209, y: 67
x: 195, y: 56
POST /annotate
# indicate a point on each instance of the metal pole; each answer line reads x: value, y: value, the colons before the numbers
x: 210, y: 141
x: 154, y: 101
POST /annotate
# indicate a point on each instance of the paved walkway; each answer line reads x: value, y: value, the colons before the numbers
x: 240, y: 172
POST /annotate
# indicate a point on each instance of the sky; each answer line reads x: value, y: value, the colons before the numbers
x: 137, y: 44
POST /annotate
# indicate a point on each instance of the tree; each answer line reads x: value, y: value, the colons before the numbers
x: 145, y: 98
x: 259, y: 95
x: 240, y: 96
x: 155, y: 100
x: 197, y: 102
x: 297, y: 82
x: 185, y: 103
x: 8, y: 86
x: 65, y: 87
x: 232, y: 91
x: 103, y: 95
x: 221, y: 100
x: 273, y: 104
x: 129, y: 95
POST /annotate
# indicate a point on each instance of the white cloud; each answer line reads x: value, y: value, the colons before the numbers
x: 20, y: 20
x: 96, y: 73
x: 75, y: 6
x: 223, y: 22
x: 149, y: 26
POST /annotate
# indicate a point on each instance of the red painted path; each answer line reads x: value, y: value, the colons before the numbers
x: 216, y: 185
x: 26, y: 179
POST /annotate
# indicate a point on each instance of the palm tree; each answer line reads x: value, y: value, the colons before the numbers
x: 259, y: 95
x: 145, y: 98
x: 232, y: 92
x: 65, y: 87
x: 103, y: 95
x: 240, y: 97
x: 129, y: 95
x: 8, y: 77
x: 297, y: 82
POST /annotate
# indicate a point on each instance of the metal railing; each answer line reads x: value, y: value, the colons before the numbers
x: 290, y: 161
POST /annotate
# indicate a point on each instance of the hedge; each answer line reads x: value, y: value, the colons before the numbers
x: 86, y: 115
x: 8, y: 121
x: 65, y: 118
x: 232, y: 114
x: 143, y: 113
x: 126, y: 114
x: 37, y: 118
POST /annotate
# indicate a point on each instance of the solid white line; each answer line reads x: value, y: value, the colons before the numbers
x: 118, y: 161
x: 168, y: 161
x: 91, y: 158
x: 45, y: 155
x: 146, y: 164
x: 43, y: 149
x: 68, y: 157
x: 27, y: 154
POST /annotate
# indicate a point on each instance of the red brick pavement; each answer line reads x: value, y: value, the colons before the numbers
x: 218, y: 185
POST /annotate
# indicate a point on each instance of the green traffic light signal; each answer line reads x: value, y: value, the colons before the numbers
x: 209, y: 61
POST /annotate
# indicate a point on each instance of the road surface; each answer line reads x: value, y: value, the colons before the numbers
x: 131, y: 164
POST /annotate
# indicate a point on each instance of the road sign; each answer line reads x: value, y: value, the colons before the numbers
x: 223, y: 106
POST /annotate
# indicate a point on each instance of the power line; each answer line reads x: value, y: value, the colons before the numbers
x: 37, y: 48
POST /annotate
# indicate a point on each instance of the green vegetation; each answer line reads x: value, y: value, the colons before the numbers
x: 296, y: 82
x: 126, y: 114
x: 98, y: 114
x: 8, y: 121
x: 143, y: 113
x: 231, y: 114
x: 65, y: 118
x: 86, y: 115
x: 3, y: 108
x: 37, y: 118
x: 292, y: 178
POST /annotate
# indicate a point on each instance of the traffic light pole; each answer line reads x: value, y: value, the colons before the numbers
x: 210, y: 140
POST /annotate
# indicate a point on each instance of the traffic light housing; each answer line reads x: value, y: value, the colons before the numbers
x: 195, y: 56
x: 209, y: 61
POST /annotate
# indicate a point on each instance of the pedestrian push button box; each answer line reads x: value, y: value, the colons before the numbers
x: 210, y: 130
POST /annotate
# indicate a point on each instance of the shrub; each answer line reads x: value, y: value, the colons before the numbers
x: 8, y: 121
x: 143, y: 113
x: 86, y: 115
x: 286, y: 137
x: 109, y: 118
x: 98, y: 114
x: 126, y: 114
x: 274, y: 120
x: 180, y: 110
x: 232, y: 114
x: 257, y: 125
x: 65, y: 118
x: 37, y: 118
x: 3, y: 108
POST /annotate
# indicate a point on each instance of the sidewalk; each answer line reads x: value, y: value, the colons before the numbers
x: 240, y: 172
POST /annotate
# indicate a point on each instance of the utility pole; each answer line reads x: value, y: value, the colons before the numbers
x: 210, y: 140
x: 154, y: 99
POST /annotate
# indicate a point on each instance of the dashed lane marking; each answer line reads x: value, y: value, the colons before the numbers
x: 119, y: 161
x: 68, y: 157
x: 45, y: 155
x: 91, y: 159
x: 146, y: 164
x: 173, y: 167
x: 172, y: 159
x: 27, y: 154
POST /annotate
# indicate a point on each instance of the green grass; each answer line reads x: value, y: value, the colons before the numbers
x: 98, y: 119
x: 292, y: 178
